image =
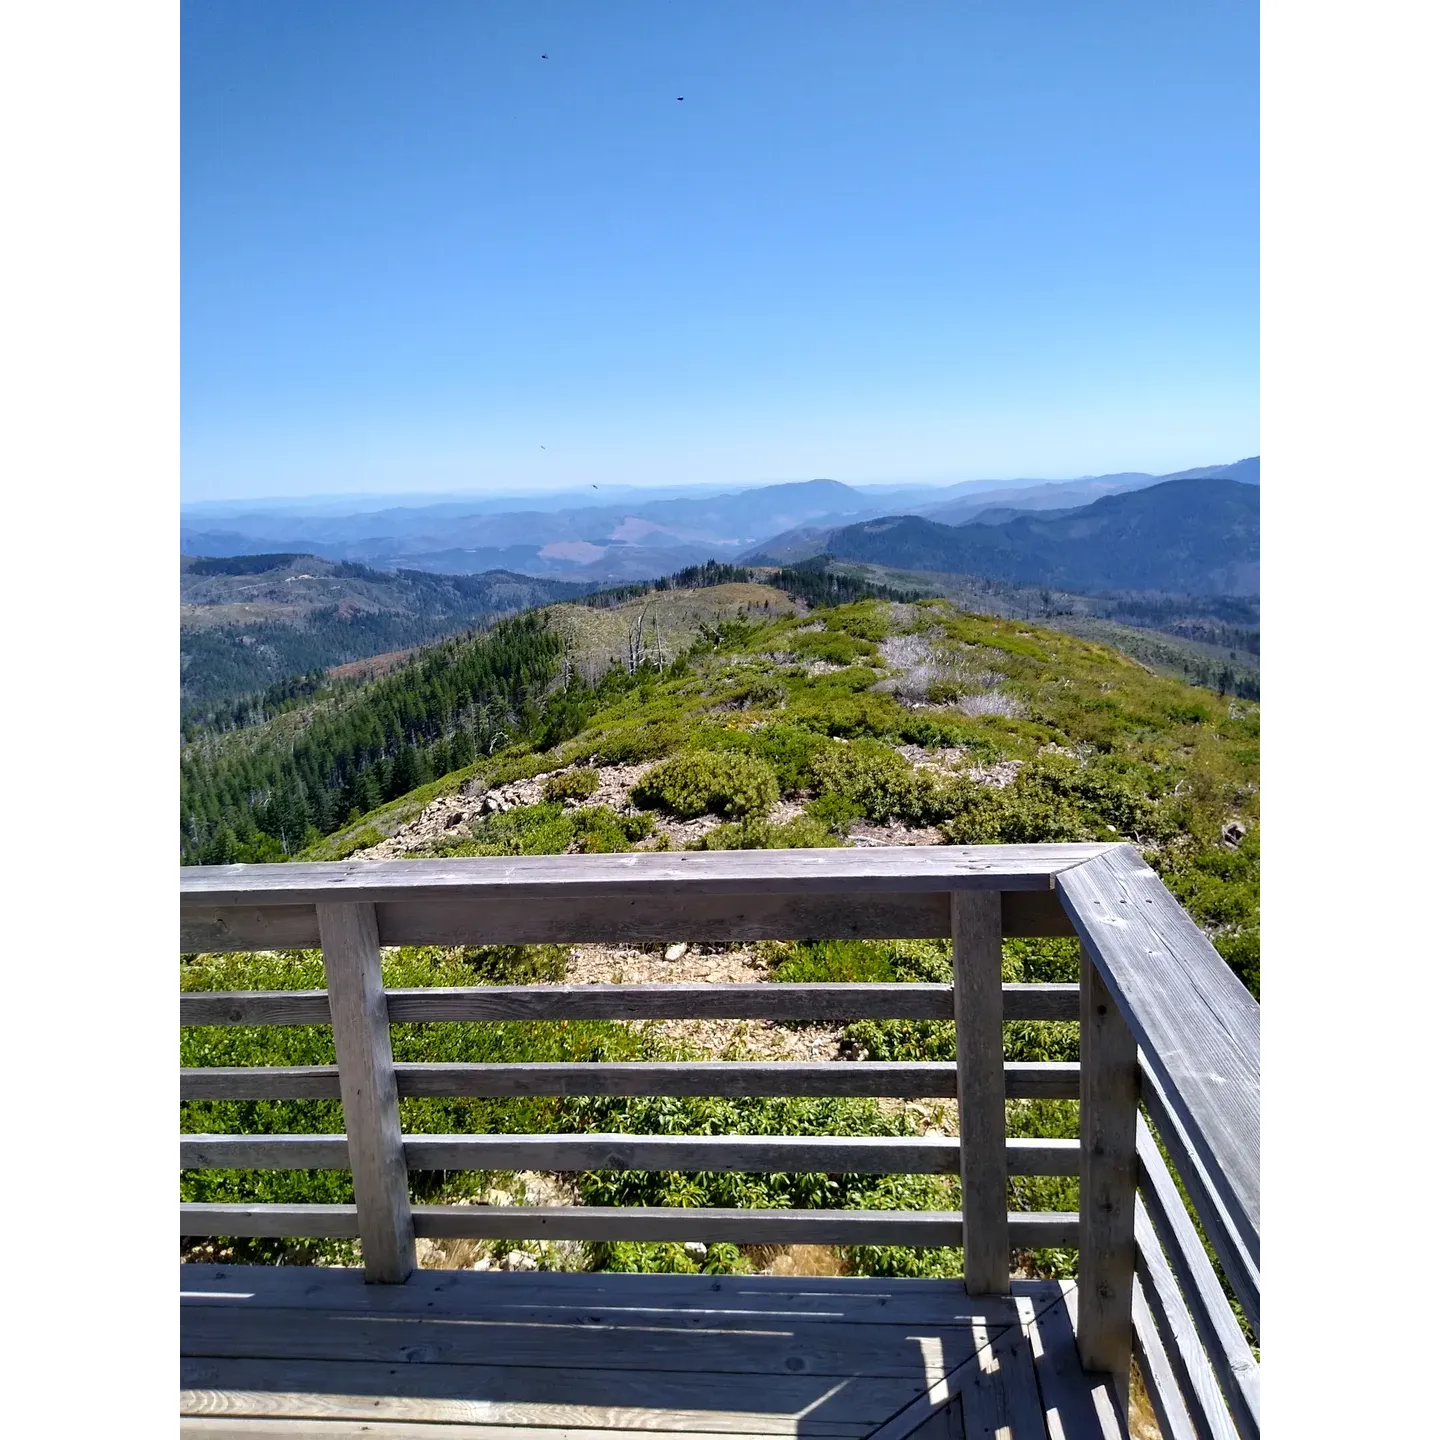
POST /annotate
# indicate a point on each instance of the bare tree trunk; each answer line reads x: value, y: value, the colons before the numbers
x: 636, y: 641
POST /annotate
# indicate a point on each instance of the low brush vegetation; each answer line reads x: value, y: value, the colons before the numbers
x: 572, y: 785
x: 709, y: 782
x: 790, y: 730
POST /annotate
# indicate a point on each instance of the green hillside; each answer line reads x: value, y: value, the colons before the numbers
x: 1208, y: 640
x: 871, y: 713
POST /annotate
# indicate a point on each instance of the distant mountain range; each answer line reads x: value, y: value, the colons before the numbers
x: 637, y: 535
x: 1199, y: 535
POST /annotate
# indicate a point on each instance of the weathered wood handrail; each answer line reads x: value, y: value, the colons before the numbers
x: 631, y: 1002
x: 1197, y: 1030
x: 894, y: 1079
x: 743, y: 1154
x: 1164, y: 1024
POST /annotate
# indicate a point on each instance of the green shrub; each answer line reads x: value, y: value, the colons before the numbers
x: 1220, y: 888
x: 600, y: 830
x: 1043, y: 1120
x: 1041, y: 962
x: 858, y: 961
x: 760, y: 690
x: 827, y: 962
x: 708, y: 782
x: 1240, y: 949
x: 834, y: 813
x: 834, y: 648
x: 578, y: 784
x: 844, y: 705
x: 880, y: 784
x: 895, y: 1262
x: 632, y: 744
x: 665, y: 1258
x: 516, y: 964
x: 550, y: 829
x: 526, y: 830
x: 751, y: 1116
x: 980, y: 816
x: 1055, y: 799
x: 789, y: 750
x: 361, y: 840
x: 1025, y: 962
x: 923, y: 729
x: 801, y: 833
x: 863, y: 621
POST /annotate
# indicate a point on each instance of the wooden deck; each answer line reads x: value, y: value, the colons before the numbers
x: 1169, y: 1037
x: 317, y: 1352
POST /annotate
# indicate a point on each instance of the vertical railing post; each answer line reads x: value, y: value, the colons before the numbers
x: 1109, y: 1098
x: 361, y: 1021
x: 980, y: 1078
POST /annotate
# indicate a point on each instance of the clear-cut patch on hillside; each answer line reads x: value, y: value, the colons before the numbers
x: 924, y: 671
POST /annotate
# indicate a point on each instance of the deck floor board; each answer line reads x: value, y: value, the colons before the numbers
x: 550, y: 1356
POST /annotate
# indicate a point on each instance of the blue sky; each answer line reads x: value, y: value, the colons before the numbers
x: 897, y: 240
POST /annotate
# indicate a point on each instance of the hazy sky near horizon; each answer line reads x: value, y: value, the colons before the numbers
x: 908, y: 241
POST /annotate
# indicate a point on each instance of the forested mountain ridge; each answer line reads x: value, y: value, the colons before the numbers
x: 1197, y: 536
x: 250, y: 622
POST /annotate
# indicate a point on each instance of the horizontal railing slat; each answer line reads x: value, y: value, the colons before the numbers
x: 1188, y: 1361
x: 1219, y: 1331
x: 920, y: 1228
x: 1241, y: 1271
x: 260, y: 1082
x: 324, y: 1222
x: 1024, y: 1080
x: 814, y: 1003
x: 1166, y: 1398
x: 1192, y: 1018
x: 620, y: 920
x: 747, y: 1154
x: 254, y: 1007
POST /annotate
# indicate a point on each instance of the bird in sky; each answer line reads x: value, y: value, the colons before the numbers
x: 594, y: 487
x: 542, y: 447
x: 544, y: 57
x: 679, y: 97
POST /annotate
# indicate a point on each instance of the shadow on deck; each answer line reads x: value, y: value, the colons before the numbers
x: 554, y: 1356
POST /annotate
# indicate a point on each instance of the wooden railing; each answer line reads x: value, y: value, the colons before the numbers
x: 1164, y: 1024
